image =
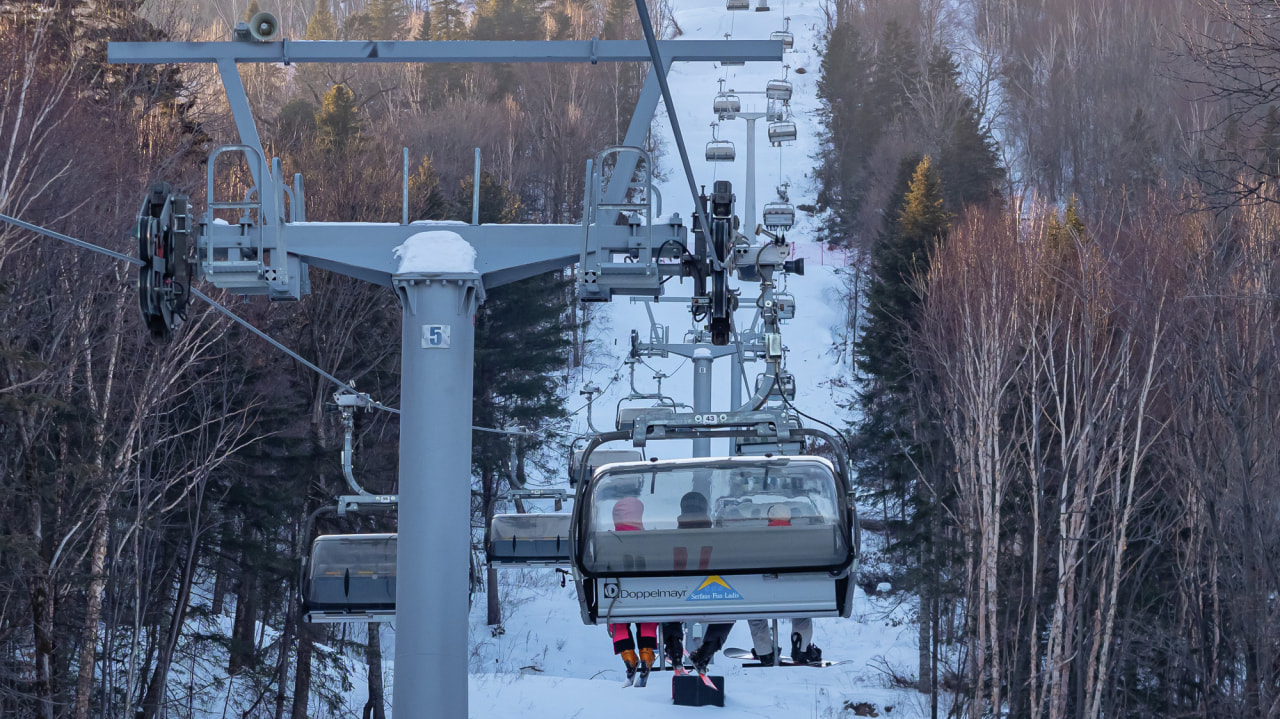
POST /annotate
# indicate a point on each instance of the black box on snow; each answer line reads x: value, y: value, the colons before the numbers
x: 689, y: 691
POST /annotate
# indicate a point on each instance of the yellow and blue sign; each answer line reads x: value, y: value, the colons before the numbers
x: 713, y: 589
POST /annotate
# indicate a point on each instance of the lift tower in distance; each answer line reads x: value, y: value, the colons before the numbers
x: 268, y: 252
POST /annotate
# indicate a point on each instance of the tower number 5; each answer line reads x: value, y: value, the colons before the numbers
x: 435, y: 337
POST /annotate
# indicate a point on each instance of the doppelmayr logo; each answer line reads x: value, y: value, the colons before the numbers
x: 611, y: 590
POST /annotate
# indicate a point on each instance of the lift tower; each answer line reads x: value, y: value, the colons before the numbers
x: 268, y: 250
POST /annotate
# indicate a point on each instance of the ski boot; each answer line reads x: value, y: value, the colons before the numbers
x: 701, y: 658
x: 629, y: 658
x: 646, y: 665
x: 806, y: 655
x: 768, y: 659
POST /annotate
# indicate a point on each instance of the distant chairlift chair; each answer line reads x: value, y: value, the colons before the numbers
x: 788, y: 40
x: 722, y: 150
x: 762, y: 5
x: 779, y: 215
x: 727, y: 105
x: 780, y: 132
x: 778, y: 90
x: 737, y: 4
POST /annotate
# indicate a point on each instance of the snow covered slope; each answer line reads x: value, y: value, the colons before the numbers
x: 546, y: 662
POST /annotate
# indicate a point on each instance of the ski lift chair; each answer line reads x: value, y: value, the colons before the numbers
x: 737, y: 4
x: 350, y: 577
x: 762, y: 5
x: 779, y: 215
x: 719, y: 150
x: 599, y: 458
x: 727, y: 105
x: 788, y: 40
x: 779, y: 90
x: 714, y: 569
x: 780, y: 132
x: 528, y: 540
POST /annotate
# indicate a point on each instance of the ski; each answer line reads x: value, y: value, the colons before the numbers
x: 707, y: 680
x: 642, y: 680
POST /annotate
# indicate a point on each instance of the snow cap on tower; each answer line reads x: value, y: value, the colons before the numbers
x: 435, y: 251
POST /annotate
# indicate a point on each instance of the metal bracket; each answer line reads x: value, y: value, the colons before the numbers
x: 357, y: 503
x: 711, y: 425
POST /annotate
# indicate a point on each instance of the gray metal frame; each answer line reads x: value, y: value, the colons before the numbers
x: 265, y: 252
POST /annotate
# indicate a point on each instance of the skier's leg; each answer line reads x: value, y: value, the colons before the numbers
x: 622, y: 639
x: 803, y: 627
x: 673, y: 643
x: 648, y: 645
x: 761, y: 637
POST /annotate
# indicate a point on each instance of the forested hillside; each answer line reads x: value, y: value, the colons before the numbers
x: 1063, y: 217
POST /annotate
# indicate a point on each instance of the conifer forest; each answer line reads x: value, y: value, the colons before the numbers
x: 1061, y: 220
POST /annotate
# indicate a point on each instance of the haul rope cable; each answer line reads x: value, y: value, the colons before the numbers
x: 213, y: 303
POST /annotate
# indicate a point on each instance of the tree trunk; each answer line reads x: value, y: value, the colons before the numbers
x: 242, y: 640
x: 154, y: 699
x: 42, y: 626
x: 282, y: 663
x: 376, y: 707
x: 93, y: 612
x: 302, y: 677
x: 489, y: 485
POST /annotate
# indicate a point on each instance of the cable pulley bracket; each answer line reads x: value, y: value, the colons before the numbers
x: 164, y: 247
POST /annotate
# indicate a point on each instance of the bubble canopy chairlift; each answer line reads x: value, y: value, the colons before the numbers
x: 719, y: 150
x: 350, y: 577
x: 715, y: 539
x: 528, y: 540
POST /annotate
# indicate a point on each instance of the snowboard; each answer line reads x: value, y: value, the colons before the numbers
x: 752, y: 661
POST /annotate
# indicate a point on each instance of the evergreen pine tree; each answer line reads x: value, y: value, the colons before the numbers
x: 968, y: 163
x: 895, y: 73
x: 507, y: 20
x: 427, y: 200
x: 619, y: 19
x: 898, y: 444
x: 338, y: 122
x: 850, y: 132
x: 448, y: 20
x: 322, y: 26
x: 424, y: 27
x: 388, y: 19
x: 888, y: 451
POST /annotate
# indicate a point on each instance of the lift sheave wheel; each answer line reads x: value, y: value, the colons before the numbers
x: 164, y: 279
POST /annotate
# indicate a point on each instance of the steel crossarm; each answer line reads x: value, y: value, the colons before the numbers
x: 460, y: 51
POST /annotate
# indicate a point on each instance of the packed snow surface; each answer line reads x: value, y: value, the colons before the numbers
x: 435, y: 251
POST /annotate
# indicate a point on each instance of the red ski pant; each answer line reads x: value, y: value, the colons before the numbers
x: 624, y: 640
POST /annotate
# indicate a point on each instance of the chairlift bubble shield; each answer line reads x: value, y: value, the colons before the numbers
x: 731, y: 515
x: 351, y: 573
x: 527, y: 540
